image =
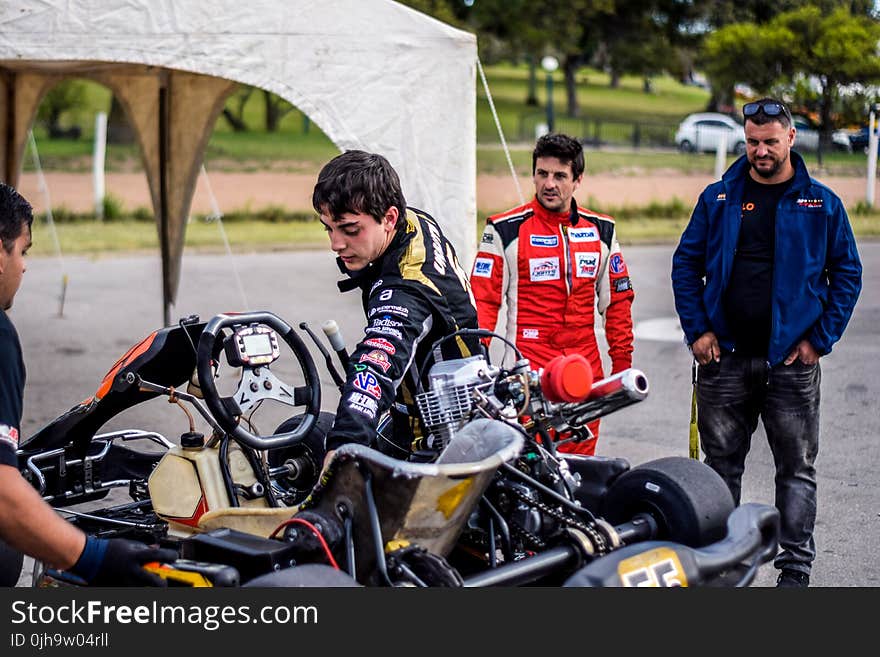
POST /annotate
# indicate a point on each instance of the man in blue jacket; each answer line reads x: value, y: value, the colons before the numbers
x: 765, y: 279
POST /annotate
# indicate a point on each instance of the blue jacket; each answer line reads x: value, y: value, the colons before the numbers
x: 817, y: 275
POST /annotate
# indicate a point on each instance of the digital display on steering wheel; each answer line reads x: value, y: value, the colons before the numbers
x: 257, y: 345
x: 252, y: 345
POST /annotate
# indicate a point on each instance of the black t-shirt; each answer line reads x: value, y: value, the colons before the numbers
x: 748, y: 298
x: 12, y: 375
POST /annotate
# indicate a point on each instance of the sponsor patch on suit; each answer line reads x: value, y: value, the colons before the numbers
x: 589, y: 234
x: 544, y: 269
x: 587, y: 265
x: 544, y: 240
x: 483, y: 267
x: 9, y: 435
x: 378, y: 358
x: 363, y: 404
x: 380, y: 343
x: 368, y: 383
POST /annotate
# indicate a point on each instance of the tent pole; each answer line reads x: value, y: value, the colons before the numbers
x: 163, y: 204
x: 9, y: 174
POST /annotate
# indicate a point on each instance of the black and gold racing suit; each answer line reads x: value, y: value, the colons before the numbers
x: 413, y: 295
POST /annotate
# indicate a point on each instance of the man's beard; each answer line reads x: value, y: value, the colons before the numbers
x: 772, y: 171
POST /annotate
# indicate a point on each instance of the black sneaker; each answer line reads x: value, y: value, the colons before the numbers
x: 792, y: 579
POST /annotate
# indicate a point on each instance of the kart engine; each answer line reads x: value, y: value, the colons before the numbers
x: 449, y: 404
x: 541, y: 494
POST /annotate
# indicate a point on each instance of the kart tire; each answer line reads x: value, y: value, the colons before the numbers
x: 306, y: 575
x: 689, y: 501
x: 311, y: 449
x: 11, y: 563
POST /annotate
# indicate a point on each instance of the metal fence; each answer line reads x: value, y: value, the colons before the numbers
x: 602, y: 132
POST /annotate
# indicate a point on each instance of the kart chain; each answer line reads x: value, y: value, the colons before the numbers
x: 600, y: 543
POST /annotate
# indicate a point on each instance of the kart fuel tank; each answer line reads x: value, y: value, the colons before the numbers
x: 188, y: 483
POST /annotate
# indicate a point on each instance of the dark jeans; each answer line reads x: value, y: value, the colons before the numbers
x: 731, y: 395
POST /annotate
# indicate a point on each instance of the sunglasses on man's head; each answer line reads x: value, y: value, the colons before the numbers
x: 770, y: 108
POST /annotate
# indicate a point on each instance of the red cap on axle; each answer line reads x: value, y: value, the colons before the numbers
x: 567, y: 379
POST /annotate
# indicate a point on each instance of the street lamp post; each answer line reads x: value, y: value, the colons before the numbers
x: 549, y: 64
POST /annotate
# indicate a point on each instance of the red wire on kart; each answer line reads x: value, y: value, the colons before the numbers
x: 315, y: 531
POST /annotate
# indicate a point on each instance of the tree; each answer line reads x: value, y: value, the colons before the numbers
x: 233, y: 110
x: 748, y: 53
x: 833, y: 48
x: 837, y: 48
x: 64, y: 96
x: 276, y: 109
x: 713, y: 15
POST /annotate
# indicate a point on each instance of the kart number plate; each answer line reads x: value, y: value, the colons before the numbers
x: 659, y: 567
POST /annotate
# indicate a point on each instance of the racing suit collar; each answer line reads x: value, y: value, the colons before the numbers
x: 542, y: 213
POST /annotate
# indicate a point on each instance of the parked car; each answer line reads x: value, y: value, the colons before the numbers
x: 858, y: 139
x: 703, y: 131
x: 807, y: 139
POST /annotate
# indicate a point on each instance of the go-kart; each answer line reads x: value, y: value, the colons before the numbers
x: 488, y: 499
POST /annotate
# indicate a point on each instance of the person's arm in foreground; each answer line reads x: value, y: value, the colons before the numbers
x: 29, y: 524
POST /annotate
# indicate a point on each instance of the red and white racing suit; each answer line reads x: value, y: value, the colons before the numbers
x: 554, y: 269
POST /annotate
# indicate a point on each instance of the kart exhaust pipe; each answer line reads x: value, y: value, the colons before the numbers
x: 606, y: 396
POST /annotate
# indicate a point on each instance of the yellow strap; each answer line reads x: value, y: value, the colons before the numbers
x: 694, y: 439
x: 179, y: 577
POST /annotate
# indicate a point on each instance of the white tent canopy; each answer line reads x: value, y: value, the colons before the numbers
x: 372, y: 74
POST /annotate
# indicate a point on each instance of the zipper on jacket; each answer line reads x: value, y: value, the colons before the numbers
x: 773, y: 277
x: 566, y: 256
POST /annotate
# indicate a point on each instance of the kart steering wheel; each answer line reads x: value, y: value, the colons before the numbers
x: 259, y: 382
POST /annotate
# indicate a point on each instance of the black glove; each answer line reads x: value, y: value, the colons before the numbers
x: 119, y: 562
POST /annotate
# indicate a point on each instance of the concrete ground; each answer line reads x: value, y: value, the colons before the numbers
x: 113, y: 302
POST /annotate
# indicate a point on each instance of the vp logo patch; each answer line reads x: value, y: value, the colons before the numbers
x: 618, y: 266
x: 368, y: 383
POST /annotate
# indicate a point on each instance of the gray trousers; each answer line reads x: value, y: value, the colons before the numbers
x: 731, y: 395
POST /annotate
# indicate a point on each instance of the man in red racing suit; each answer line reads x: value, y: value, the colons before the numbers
x: 555, y: 264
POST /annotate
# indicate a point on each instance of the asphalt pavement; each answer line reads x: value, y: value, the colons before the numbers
x: 112, y: 302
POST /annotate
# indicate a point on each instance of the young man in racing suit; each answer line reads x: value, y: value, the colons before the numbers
x: 414, y: 293
x: 27, y: 523
x: 555, y: 264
